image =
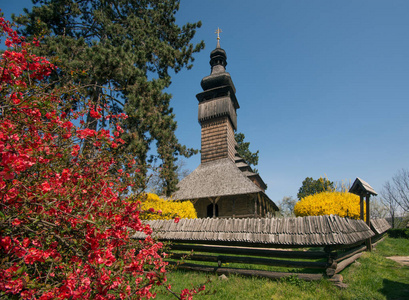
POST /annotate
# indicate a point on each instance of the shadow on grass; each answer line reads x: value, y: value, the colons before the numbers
x: 395, y: 290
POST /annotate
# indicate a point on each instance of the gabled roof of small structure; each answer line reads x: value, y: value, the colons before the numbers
x: 361, y: 188
x: 301, y: 231
x: 216, y: 178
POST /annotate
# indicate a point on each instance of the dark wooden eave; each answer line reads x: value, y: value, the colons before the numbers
x: 248, y: 171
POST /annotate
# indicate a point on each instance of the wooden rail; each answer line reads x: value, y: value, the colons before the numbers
x: 254, y: 261
x: 330, y: 261
x: 250, y: 251
x: 246, y: 272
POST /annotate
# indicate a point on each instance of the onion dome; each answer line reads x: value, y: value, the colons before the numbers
x: 218, y: 88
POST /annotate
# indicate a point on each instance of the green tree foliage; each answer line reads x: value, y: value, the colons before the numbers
x: 311, y: 186
x: 243, y: 149
x: 123, y: 51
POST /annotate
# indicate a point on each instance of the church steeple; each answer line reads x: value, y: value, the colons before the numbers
x: 221, y: 173
x: 217, y: 109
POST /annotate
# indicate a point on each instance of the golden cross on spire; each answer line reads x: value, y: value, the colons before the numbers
x: 218, y: 31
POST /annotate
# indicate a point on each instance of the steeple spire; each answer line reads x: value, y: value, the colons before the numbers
x: 218, y: 31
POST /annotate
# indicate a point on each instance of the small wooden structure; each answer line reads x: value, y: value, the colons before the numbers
x: 363, y: 190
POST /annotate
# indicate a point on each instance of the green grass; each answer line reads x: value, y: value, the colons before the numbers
x: 392, y: 247
x: 375, y: 277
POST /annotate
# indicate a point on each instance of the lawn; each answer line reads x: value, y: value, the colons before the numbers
x: 373, y: 277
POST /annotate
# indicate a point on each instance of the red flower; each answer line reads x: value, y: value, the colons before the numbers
x: 16, y: 222
x: 67, y: 198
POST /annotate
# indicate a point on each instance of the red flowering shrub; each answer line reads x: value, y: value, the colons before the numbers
x: 64, y: 229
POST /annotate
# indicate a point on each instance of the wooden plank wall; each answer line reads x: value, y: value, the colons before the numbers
x: 217, y: 107
x: 237, y: 206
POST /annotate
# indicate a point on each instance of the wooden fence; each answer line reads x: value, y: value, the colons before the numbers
x: 319, y: 249
x: 327, y: 262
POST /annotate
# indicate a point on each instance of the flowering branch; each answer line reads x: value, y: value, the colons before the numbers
x: 65, y: 232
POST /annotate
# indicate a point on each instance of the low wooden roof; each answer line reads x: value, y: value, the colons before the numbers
x: 216, y: 178
x: 361, y: 188
x: 379, y: 226
x: 302, y: 231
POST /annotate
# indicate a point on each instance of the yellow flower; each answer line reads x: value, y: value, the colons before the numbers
x: 343, y: 204
x: 164, y: 209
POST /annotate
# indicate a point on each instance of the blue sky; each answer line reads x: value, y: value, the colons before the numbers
x: 323, y: 86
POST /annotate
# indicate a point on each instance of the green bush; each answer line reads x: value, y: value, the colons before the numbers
x: 402, y: 233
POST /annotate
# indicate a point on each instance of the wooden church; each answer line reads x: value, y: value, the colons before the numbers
x: 223, y: 185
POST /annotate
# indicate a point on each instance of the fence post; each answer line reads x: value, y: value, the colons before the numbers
x: 361, y: 204
x: 368, y: 222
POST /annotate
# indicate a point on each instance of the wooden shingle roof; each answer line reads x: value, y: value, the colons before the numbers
x: 379, y: 226
x: 361, y: 188
x: 215, y: 178
x: 302, y: 231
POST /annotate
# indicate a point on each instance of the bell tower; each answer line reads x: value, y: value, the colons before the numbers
x: 217, y: 109
x: 223, y: 185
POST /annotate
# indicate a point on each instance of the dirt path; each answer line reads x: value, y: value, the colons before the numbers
x: 403, y: 260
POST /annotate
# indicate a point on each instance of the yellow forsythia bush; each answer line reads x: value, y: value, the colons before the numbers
x: 168, y: 209
x: 343, y: 204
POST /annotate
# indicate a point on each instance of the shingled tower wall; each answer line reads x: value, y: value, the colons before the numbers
x: 217, y: 110
x: 217, y: 139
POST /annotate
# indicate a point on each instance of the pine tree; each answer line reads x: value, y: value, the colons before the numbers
x: 311, y: 186
x: 243, y: 149
x: 123, y: 52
